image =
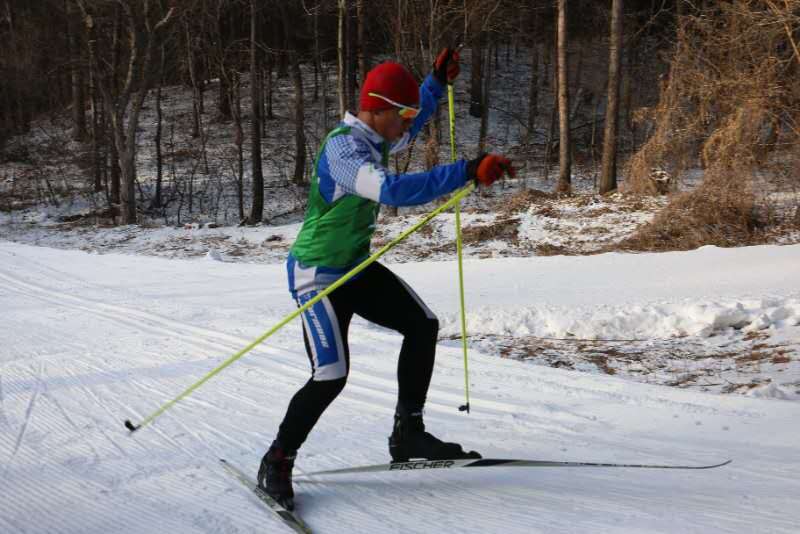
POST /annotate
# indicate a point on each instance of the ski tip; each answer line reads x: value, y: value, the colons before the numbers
x: 130, y: 426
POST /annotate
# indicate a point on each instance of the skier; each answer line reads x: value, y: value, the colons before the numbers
x: 351, y: 180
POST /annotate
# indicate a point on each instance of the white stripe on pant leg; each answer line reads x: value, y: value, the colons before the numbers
x: 337, y: 335
x: 333, y: 371
x: 309, y: 333
x: 303, y: 278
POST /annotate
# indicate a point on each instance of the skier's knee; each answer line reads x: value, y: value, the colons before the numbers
x: 425, y: 327
x: 433, y: 326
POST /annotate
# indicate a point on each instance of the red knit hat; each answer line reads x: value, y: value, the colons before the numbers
x: 392, y: 81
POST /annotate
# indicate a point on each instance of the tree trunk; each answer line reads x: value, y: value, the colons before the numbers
x: 225, y: 97
x: 20, y: 112
x: 608, y: 177
x: 156, y: 203
x: 476, y: 77
x: 352, y: 57
x: 268, y: 89
x: 626, y: 94
x: 109, y: 93
x: 96, y: 162
x: 317, y: 59
x: 551, y: 134
x: 257, y: 208
x: 577, y: 102
x: 299, y: 110
x: 533, y: 89
x: 547, y: 60
x: 484, y: 104
x: 363, y: 58
x: 190, y: 63
x: 98, y: 119
x: 323, y: 79
x: 239, y: 142
x: 564, y: 156
x: 125, y: 137
x: 76, y: 73
x: 114, y: 159
x: 341, y: 52
x: 137, y: 85
x: 299, y: 122
x: 128, y: 190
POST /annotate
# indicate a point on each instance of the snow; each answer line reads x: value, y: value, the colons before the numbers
x: 90, y: 340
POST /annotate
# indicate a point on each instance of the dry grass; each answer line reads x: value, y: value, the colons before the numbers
x: 710, y: 215
x: 729, y: 104
x: 523, y: 200
x: 601, y: 361
x: 548, y: 249
x: 781, y: 358
x: 505, y: 228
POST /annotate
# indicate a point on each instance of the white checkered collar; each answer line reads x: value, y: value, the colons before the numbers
x: 353, y: 121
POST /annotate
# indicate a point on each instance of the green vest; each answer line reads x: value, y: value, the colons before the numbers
x: 336, y: 234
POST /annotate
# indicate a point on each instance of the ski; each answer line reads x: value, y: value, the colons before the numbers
x: 291, y: 519
x: 491, y: 462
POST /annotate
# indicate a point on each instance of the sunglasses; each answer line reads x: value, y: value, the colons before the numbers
x: 404, y: 111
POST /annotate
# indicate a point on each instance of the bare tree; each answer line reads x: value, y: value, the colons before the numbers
x: 352, y: 54
x: 564, y: 156
x: 299, y: 113
x: 341, y: 57
x: 476, y: 76
x: 156, y: 202
x: 485, y: 95
x: 195, y: 80
x: 221, y: 35
x: 76, y: 74
x: 608, y: 176
x: 533, y: 90
x: 320, y: 68
x: 363, y: 57
x: 257, y: 208
x: 146, y: 24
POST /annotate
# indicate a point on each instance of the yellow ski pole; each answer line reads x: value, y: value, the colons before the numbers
x: 464, y: 191
x: 452, y: 115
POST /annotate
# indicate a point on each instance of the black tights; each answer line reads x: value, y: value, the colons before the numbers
x: 380, y: 297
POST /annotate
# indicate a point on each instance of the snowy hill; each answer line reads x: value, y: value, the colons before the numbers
x: 90, y: 340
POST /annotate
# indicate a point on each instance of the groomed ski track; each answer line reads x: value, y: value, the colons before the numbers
x: 88, y: 341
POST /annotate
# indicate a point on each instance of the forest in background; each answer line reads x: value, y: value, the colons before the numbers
x: 647, y: 92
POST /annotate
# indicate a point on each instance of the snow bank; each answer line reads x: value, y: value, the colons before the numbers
x: 773, y: 391
x: 664, y: 320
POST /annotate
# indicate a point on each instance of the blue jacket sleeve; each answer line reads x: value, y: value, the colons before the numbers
x: 419, y: 188
x: 347, y: 167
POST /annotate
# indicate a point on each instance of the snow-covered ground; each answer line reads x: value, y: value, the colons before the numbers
x: 90, y: 340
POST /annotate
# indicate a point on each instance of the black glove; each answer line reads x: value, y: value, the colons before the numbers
x: 472, y: 167
x: 446, y: 67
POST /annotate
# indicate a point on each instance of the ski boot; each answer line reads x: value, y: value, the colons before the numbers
x: 409, y: 440
x: 275, y: 475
